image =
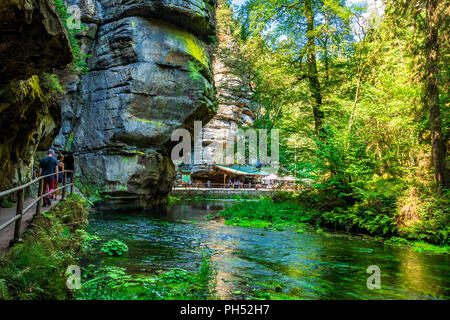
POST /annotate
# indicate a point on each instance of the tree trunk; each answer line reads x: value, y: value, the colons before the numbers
x: 325, y: 46
x: 432, y: 94
x: 313, y: 76
x: 326, y: 60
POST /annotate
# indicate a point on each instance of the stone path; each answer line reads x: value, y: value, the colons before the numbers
x: 7, y: 234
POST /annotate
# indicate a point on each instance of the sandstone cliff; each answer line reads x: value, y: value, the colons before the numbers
x: 32, y: 41
x: 233, y: 94
x: 149, y: 73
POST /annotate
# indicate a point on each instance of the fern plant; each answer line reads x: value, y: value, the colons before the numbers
x: 32, y: 88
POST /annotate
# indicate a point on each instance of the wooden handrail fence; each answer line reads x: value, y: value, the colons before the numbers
x: 20, y: 210
x: 242, y: 186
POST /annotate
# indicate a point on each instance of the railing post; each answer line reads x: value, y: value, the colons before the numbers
x: 63, y: 193
x: 19, y: 211
x: 38, y: 204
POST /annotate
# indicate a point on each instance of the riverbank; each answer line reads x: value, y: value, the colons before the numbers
x: 162, y: 256
x: 283, y: 212
x: 263, y: 263
x: 35, y: 269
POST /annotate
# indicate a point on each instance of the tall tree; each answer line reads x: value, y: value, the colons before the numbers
x: 432, y: 103
x: 295, y: 28
x: 430, y: 18
x: 311, y: 62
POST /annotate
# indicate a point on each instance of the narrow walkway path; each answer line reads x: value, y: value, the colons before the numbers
x: 7, y: 234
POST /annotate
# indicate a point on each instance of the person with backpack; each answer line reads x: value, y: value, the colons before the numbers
x: 48, y: 165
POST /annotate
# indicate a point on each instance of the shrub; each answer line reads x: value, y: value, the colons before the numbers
x: 114, y: 248
x: 282, y: 196
x: 266, y: 210
x: 35, y: 269
x: 175, y: 275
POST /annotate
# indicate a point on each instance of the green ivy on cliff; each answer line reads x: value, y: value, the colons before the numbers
x: 79, y: 58
x: 42, y: 87
x: 45, y: 85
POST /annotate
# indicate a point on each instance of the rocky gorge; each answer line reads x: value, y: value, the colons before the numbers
x: 233, y: 97
x: 152, y: 66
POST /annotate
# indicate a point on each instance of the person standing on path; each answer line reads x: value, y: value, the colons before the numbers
x: 48, y: 165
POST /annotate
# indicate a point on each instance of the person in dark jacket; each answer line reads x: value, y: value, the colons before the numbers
x: 48, y: 165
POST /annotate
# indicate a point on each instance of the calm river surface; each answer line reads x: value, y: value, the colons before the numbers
x: 305, y: 265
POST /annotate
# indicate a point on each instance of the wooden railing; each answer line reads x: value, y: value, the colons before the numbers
x: 198, y: 185
x: 253, y: 186
x: 20, y: 210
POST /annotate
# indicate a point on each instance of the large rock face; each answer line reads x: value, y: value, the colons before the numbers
x: 149, y: 74
x: 233, y: 96
x: 32, y: 40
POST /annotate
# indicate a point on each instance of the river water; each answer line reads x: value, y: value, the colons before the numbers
x: 295, y: 265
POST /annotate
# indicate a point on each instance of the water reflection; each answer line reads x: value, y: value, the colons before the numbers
x: 308, y: 265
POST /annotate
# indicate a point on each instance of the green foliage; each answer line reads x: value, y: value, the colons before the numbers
x: 35, y: 268
x: 51, y: 81
x: 396, y: 241
x: 284, y: 196
x: 88, y: 240
x: 376, y: 213
x: 113, y: 283
x: 41, y: 87
x: 418, y: 246
x: 434, y: 223
x: 78, y: 64
x: 4, y: 294
x: 88, y: 188
x: 266, y: 213
x: 426, y: 247
x: 175, y: 275
x: 32, y: 88
x: 114, y: 248
x: 375, y: 142
x: 361, y: 218
x: 69, y: 142
x: 5, y: 203
x: 244, y: 222
x: 173, y: 199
